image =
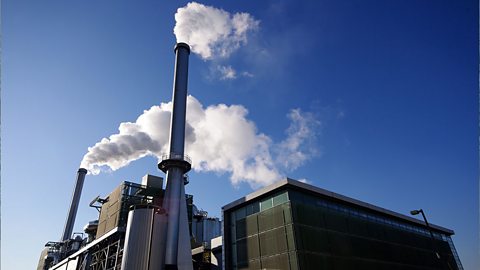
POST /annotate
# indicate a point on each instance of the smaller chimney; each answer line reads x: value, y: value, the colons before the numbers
x: 72, y: 212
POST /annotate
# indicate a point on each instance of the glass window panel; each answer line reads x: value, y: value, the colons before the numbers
x: 253, y: 208
x: 233, y: 231
x: 360, y: 247
x: 256, y: 209
x: 304, y: 214
x: 344, y: 263
x: 311, y: 239
x: 242, y: 255
x: 234, y: 254
x: 357, y: 226
x: 266, y: 204
x: 241, y: 229
x: 315, y: 261
x: 240, y: 213
x: 309, y: 200
x: 280, y: 198
x: 294, y: 196
x: 248, y: 209
x: 340, y: 244
x: 336, y: 222
x: 377, y: 231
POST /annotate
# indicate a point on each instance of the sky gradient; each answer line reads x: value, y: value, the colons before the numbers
x: 390, y: 89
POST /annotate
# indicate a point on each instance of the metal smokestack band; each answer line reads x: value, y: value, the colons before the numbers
x: 72, y: 212
x: 175, y: 165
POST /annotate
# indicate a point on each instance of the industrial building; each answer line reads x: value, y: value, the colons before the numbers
x: 292, y: 225
x: 103, y: 243
x: 287, y: 225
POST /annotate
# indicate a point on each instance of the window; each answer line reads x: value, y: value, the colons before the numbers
x: 266, y: 204
x: 280, y: 198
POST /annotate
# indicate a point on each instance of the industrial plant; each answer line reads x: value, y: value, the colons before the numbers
x: 152, y: 225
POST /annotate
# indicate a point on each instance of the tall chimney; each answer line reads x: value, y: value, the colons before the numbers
x: 72, y: 212
x: 175, y: 164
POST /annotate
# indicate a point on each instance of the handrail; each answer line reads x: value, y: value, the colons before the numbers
x: 176, y: 157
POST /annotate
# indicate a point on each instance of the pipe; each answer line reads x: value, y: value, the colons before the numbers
x: 175, y: 164
x: 72, y: 212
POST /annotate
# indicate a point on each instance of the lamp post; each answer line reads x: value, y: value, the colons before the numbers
x: 420, y: 211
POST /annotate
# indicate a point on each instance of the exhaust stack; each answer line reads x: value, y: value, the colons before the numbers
x: 72, y: 212
x: 175, y: 164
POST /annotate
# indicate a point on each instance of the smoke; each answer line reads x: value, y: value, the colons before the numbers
x: 212, y: 32
x: 219, y: 138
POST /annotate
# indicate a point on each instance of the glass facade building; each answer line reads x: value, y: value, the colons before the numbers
x: 292, y: 225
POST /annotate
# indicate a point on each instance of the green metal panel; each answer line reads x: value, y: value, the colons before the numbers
x: 271, y: 218
x: 247, y: 249
x: 251, y: 225
x: 250, y: 265
x: 273, y: 242
x: 277, y: 262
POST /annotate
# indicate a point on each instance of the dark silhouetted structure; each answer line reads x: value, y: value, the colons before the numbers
x: 292, y: 225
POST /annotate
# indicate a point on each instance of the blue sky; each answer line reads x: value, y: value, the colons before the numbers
x: 390, y: 89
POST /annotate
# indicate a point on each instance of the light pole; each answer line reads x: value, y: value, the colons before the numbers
x: 420, y: 211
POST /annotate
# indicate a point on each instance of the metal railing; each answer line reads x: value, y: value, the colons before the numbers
x: 176, y: 157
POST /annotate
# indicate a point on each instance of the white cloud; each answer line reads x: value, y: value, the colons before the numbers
x: 227, y: 72
x: 212, y: 32
x: 297, y: 147
x: 247, y: 74
x: 304, y: 180
x: 219, y: 138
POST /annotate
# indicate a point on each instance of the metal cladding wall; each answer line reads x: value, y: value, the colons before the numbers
x: 138, y: 239
x: 361, y: 242
x: 115, y: 208
x: 110, y: 213
x: 293, y: 229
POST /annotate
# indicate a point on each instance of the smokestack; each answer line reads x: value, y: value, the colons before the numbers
x: 72, y: 212
x: 175, y: 165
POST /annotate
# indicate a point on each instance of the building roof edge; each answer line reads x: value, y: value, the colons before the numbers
x: 288, y: 181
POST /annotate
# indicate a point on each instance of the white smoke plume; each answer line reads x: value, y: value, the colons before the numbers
x: 212, y: 32
x: 219, y: 139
